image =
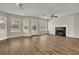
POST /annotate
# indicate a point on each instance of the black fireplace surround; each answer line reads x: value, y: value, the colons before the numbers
x: 60, y: 31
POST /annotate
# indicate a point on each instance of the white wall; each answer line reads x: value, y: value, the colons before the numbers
x: 76, y: 25
x: 67, y: 21
x: 71, y: 22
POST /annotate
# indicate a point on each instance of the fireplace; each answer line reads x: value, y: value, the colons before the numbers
x: 61, y: 31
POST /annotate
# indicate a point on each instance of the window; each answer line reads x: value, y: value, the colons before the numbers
x: 2, y: 24
x: 34, y: 26
x: 25, y: 25
x: 43, y: 26
x: 15, y: 26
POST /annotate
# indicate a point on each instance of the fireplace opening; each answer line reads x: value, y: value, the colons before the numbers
x: 61, y: 31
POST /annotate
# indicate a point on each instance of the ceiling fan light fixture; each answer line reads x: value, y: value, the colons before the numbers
x: 53, y: 16
x: 20, y: 5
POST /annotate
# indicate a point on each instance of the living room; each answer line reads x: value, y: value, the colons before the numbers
x: 39, y: 28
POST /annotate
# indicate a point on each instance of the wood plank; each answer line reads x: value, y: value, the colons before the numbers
x: 40, y: 45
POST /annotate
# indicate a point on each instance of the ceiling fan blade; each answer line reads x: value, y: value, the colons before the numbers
x: 55, y: 16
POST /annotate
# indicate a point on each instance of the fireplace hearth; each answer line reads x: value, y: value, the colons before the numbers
x: 60, y: 31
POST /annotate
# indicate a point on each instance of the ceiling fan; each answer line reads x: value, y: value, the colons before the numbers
x: 53, y: 16
x: 20, y: 5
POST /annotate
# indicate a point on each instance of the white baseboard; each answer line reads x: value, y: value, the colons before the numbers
x: 70, y: 36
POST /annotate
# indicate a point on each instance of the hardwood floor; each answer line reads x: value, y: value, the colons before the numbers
x: 40, y: 45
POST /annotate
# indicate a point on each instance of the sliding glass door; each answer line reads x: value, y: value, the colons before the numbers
x: 26, y: 26
x: 34, y: 26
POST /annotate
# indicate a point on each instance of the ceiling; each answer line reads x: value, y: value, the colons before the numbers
x: 41, y: 9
